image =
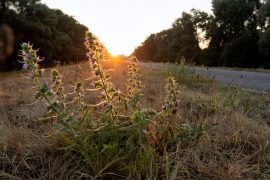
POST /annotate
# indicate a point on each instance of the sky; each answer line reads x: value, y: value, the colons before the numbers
x: 121, y: 25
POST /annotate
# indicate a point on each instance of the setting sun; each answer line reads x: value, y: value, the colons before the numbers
x: 117, y: 49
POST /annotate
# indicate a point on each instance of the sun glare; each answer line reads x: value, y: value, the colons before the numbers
x: 116, y: 49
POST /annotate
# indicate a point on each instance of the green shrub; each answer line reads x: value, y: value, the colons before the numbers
x: 116, y: 136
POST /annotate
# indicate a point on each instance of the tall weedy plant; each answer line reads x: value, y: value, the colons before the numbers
x: 133, y: 85
x: 109, y: 94
x: 53, y: 94
x: 170, y: 106
x: 30, y: 63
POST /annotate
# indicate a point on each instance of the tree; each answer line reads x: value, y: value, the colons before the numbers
x: 59, y: 36
x: 148, y: 49
x: 264, y: 42
x: 233, y: 33
x: 232, y: 17
x: 242, y: 52
x: 172, y: 44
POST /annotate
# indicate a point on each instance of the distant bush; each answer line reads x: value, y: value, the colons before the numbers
x: 210, y: 57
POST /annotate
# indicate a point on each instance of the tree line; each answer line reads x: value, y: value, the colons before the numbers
x: 235, y: 34
x: 59, y: 36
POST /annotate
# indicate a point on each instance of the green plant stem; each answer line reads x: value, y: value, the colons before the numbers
x: 108, y: 99
x: 45, y: 97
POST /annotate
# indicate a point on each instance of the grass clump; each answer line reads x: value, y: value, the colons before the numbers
x: 117, y: 136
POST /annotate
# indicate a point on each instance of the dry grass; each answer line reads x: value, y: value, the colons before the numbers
x: 235, y: 145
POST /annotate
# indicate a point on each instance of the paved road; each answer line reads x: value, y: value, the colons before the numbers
x: 247, y: 79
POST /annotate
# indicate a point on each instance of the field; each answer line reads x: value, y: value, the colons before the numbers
x: 226, y: 129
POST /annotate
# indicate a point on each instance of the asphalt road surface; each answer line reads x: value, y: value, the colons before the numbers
x: 247, y: 79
